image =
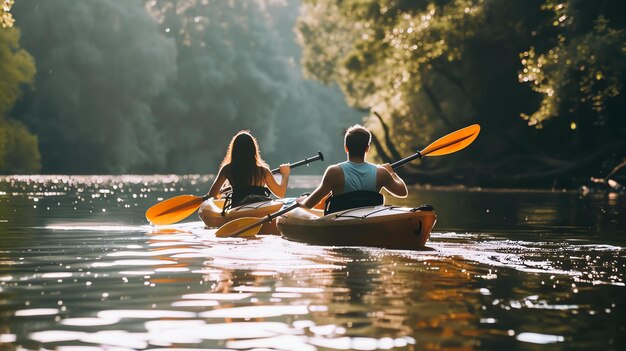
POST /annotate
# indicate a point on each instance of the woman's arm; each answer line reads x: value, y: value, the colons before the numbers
x: 278, y: 189
x: 218, y: 182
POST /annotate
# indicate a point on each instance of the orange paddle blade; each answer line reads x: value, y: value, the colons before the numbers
x: 322, y: 204
x: 452, y: 142
x: 241, y: 227
x: 173, y: 210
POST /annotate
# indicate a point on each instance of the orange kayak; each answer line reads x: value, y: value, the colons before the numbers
x: 390, y: 227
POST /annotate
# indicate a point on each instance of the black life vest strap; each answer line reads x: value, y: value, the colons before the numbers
x: 353, y: 199
x: 227, y: 202
x: 238, y: 196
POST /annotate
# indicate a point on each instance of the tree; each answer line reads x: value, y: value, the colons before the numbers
x: 236, y: 70
x: 432, y: 66
x: 580, y: 69
x: 229, y: 77
x: 6, y: 19
x: 19, y: 151
x: 100, y: 68
x: 18, y: 147
x: 17, y: 69
x: 161, y: 85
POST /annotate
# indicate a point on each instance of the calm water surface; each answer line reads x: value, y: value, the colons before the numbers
x: 80, y: 269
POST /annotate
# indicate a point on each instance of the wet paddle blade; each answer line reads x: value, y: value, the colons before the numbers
x: 237, y: 227
x: 173, y: 210
x: 452, y: 142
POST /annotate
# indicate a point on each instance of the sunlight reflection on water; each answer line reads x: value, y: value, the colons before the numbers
x: 75, y: 277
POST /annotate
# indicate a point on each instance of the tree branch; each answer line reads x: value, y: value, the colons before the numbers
x: 435, y: 103
x: 379, y: 149
x: 459, y: 84
x: 388, y: 142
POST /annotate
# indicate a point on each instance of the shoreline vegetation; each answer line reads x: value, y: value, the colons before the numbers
x: 518, y: 170
x: 156, y: 87
x: 533, y: 74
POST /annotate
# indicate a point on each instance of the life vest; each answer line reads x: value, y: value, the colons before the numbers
x: 246, y: 195
x: 353, y: 199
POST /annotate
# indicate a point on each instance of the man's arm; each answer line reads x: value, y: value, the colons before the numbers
x: 391, y: 181
x: 326, y: 186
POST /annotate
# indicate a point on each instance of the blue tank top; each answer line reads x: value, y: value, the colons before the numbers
x: 358, y: 176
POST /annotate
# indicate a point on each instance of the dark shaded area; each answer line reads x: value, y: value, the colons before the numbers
x: 430, y: 67
x: 160, y: 87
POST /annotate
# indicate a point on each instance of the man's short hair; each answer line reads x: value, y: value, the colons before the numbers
x: 357, y: 139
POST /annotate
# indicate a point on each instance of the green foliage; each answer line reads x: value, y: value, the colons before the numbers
x: 228, y: 77
x: 161, y: 85
x: 19, y: 151
x: 236, y: 70
x: 385, y: 55
x: 6, y: 19
x: 99, y: 71
x: 583, y: 71
x: 17, y: 69
x: 431, y: 66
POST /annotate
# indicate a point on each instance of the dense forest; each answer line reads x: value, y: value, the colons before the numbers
x: 544, y: 78
x: 159, y: 86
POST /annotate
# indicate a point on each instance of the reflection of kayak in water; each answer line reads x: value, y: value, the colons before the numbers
x: 211, y: 213
x: 376, y: 226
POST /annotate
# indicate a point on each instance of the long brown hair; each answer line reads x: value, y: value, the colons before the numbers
x: 245, y: 165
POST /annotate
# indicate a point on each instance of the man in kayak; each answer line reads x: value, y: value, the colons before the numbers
x: 355, y: 182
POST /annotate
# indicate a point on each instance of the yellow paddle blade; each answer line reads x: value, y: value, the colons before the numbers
x: 240, y: 227
x: 452, y: 142
x: 173, y: 210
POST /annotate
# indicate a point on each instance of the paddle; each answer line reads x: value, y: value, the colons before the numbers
x: 453, y: 142
x: 180, y: 207
x: 307, y: 160
x: 249, y: 226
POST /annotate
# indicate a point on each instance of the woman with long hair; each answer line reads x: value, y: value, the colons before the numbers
x: 246, y: 172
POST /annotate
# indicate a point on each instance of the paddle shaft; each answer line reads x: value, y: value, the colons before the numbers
x: 419, y: 154
x: 266, y: 219
x: 306, y: 160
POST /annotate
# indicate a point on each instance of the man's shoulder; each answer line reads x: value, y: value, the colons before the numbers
x: 333, y: 172
x: 333, y: 168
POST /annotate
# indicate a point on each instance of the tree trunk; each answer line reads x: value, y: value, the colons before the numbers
x: 379, y: 149
x: 388, y: 142
x: 459, y: 84
x: 435, y: 103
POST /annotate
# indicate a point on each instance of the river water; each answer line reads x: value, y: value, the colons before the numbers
x: 81, y: 269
